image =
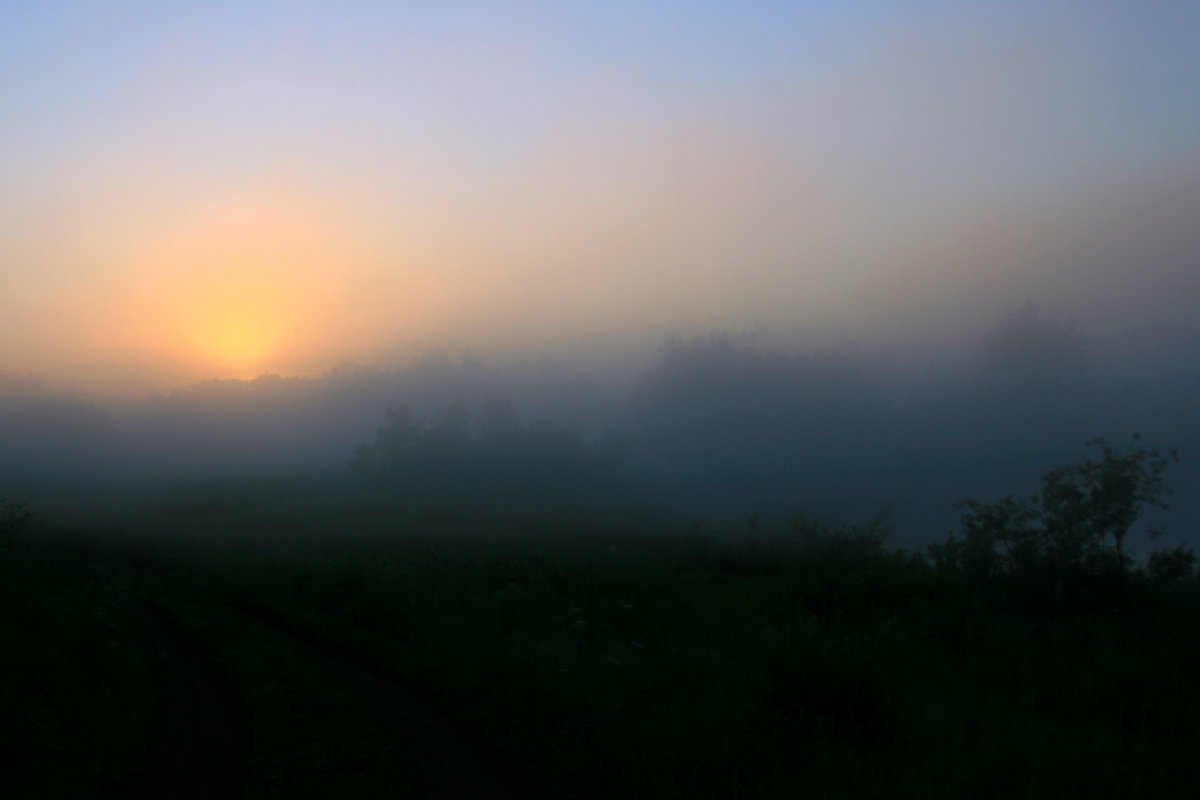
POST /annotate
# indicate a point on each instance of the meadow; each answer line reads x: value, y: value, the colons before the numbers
x: 595, y: 660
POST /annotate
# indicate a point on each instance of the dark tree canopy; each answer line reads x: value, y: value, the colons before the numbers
x: 1075, y: 526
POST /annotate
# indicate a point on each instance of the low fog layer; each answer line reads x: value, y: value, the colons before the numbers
x: 716, y: 427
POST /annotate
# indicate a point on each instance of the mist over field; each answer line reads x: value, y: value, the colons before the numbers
x: 700, y: 262
x: 591, y: 399
x: 715, y: 428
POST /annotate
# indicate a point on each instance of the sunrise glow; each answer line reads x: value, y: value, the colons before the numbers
x: 236, y: 328
x: 236, y: 285
x: 231, y: 188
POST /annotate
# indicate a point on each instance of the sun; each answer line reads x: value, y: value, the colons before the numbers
x: 231, y: 287
x: 237, y: 321
x: 243, y: 341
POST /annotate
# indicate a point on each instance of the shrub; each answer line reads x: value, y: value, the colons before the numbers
x: 1077, y: 524
x: 827, y: 541
x: 1172, y: 566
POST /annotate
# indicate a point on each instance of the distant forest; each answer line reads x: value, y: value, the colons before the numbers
x: 714, y: 427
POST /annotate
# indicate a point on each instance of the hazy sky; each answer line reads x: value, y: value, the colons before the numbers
x: 227, y: 188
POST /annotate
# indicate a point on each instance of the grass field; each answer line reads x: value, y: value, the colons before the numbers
x: 676, y: 667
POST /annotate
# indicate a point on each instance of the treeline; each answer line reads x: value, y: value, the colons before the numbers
x: 723, y: 426
x: 269, y: 425
x: 714, y: 426
x: 491, y: 455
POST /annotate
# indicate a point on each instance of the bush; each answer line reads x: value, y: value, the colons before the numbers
x: 1171, y: 567
x: 1076, y: 525
x: 827, y: 541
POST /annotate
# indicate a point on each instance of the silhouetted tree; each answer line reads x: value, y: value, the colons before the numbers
x: 1099, y: 498
x: 1077, y: 523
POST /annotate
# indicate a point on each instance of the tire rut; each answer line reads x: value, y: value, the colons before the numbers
x: 198, y: 751
x: 202, y: 738
x: 451, y: 761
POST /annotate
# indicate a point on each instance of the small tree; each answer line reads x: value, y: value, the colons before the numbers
x: 1097, y: 500
x: 995, y: 537
x: 1078, y: 522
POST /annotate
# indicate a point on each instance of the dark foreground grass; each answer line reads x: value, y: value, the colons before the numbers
x: 77, y: 677
x: 82, y: 687
x: 719, y: 674
x: 308, y: 734
x: 690, y: 672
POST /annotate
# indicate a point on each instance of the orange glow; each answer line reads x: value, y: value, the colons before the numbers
x: 235, y: 321
x: 238, y: 285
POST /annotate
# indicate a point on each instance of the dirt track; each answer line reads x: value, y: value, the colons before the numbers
x: 453, y: 761
x: 198, y: 753
x: 201, y: 736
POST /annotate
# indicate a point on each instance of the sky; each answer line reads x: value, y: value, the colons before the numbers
x: 225, y: 189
